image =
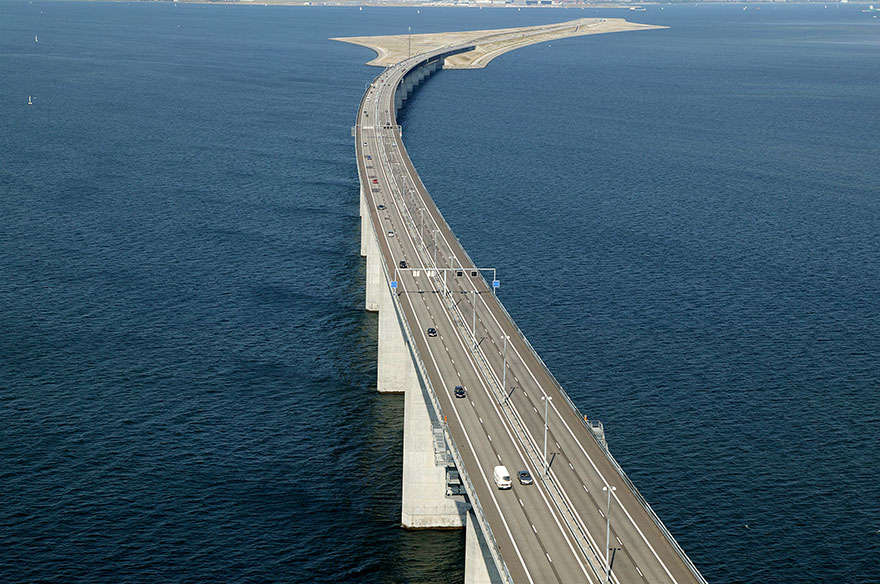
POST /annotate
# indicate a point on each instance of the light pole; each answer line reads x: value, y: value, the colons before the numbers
x: 504, y: 369
x: 608, y: 533
x: 435, y: 248
x: 474, y: 325
x: 409, y: 42
x: 546, y: 399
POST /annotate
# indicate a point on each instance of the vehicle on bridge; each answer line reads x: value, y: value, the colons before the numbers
x: 502, y: 478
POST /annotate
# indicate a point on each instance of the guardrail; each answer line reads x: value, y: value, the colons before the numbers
x: 486, y: 370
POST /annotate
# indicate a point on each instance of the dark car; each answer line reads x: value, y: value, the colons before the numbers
x: 524, y: 477
x: 432, y: 332
x: 402, y: 263
x: 380, y: 206
x: 459, y: 391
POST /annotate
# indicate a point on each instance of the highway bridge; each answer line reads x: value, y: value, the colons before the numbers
x: 582, y: 520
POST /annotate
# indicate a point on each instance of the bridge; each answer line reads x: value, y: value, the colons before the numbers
x: 442, y: 327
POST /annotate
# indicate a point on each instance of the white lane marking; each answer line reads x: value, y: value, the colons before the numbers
x: 481, y: 419
x: 580, y: 447
x: 533, y: 529
x: 482, y: 471
x: 602, y: 514
x: 564, y: 531
x: 618, y: 540
x: 504, y: 422
x: 489, y: 437
x: 521, y: 503
x: 640, y: 572
x: 585, y: 488
x: 569, y: 466
x: 557, y: 445
x: 548, y: 557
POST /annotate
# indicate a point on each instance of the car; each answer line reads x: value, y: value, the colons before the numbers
x: 380, y: 206
x: 432, y: 332
x: 402, y: 263
x: 369, y: 157
x: 459, y: 391
x: 390, y: 233
x: 375, y: 181
x: 525, y: 478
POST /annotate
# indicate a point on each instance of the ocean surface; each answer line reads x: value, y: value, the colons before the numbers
x: 686, y: 224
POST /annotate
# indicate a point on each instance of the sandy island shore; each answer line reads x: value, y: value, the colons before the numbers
x: 489, y: 43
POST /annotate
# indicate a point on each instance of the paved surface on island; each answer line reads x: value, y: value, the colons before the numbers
x: 555, y: 529
x: 488, y: 43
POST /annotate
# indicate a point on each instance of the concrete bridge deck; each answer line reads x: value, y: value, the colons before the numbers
x: 550, y: 531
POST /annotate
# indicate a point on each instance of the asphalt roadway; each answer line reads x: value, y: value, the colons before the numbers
x: 555, y: 529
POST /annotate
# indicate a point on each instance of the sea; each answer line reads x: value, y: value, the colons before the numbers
x: 685, y: 224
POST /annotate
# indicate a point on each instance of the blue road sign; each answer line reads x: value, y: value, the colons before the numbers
x: 496, y: 283
x: 393, y: 284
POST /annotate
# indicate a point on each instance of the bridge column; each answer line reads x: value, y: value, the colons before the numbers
x: 364, y: 218
x: 424, y: 501
x: 479, y: 567
x: 396, y: 372
x: 375, y: 275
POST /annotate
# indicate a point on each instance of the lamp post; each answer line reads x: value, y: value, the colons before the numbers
x: 504, y: 369
x: 546, y: 399
x: 609, y: 490
x: 409, y: 42
x: 474, y: 325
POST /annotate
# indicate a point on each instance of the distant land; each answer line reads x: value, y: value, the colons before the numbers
x: 631, y: 4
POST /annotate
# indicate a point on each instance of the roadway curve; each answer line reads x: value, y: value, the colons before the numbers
x: 555, y: 529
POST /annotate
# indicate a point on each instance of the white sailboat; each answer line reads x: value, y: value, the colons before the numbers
x: 30, y: 100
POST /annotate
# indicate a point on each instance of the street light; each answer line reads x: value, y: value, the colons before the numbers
x: 608, y: 533
x: 546, y: 399
x: 504, y: 368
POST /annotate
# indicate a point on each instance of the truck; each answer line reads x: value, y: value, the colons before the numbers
x: 502, y: 478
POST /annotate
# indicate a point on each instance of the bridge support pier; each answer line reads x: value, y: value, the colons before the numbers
x: 365, y: 218
x: 479, y: 567
x: 396, y: 371
x: 375, y: 276
x: 424, y: 500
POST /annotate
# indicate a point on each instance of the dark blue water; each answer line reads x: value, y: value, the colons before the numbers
x: 686, y: 222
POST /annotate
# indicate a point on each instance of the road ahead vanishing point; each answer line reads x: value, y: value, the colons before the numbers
x: 581, y: 520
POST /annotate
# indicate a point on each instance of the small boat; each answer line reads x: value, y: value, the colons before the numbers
x: 36, y: 40
x: 30, y: 100
x: 637, y: 9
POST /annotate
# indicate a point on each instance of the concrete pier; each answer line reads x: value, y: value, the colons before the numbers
x: 479, y: 567
x: 375, y: 274
x: 425, y: 503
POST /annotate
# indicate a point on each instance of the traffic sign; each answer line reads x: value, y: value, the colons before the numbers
x: 393, y: 284
x: 496, y: 283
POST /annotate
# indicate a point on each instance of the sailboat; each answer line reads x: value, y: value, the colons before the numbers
x: 30, y: 101
x: 36, y: 40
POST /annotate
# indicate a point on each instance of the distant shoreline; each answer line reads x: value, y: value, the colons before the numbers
x: 519, y: 4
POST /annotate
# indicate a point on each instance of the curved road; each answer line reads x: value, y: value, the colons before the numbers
x: 555, y: 529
